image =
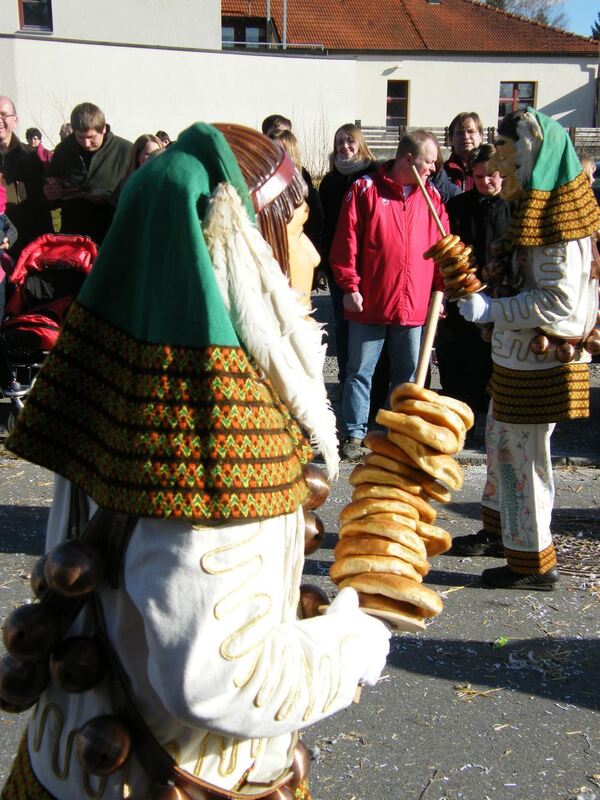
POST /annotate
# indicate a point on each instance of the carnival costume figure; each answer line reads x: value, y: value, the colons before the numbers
x: 543, y: 334
x: 174, y: 410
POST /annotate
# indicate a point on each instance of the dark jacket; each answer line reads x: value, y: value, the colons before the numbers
x: 457, y: 173
x: 26, y: 205
x: 479, y: 221
x: 98, y: 173
x: 444, y: 185
x: 332, y: 189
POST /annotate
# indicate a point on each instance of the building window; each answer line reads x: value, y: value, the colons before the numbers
x: 514, y: 96
x: 397, y: 104
x: 35, y: 15
x: 244, y: 32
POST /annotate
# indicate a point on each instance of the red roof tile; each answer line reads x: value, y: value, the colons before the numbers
x: 450, y: 26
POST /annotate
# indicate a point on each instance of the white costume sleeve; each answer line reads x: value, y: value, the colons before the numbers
x: 555, y: 293
x: 225, y: 651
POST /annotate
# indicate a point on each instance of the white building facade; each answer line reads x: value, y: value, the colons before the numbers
x: 160, y: 64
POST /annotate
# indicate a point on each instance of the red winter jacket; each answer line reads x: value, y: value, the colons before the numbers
x: 378, y: 250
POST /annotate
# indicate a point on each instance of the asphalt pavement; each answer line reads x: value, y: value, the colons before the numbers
x: 496, y: 700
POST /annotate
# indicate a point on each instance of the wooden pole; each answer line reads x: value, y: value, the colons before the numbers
x: 428, y: 201
x: 428, y: 336
x: 435, y: 302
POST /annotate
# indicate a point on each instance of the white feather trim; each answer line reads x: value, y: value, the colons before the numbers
x: 270, y: 319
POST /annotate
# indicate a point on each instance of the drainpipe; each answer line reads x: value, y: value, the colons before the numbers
x: 284, y: 24
x: 267, y: 42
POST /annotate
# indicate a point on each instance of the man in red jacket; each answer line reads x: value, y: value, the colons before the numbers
x: 383, y: 230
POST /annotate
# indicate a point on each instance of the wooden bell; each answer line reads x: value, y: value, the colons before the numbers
x: 30, y: 632
x: 77, y: 664
x: 311, y: 599
x: 282, y: 793
x: 74, y: 568
x: 300, y: 765
x: 318, y: 487
x: 21, y: 683
x: 539, y: 344
x: 592, y: 342
x: 565, y: 352
x: 167, y: 792
x: 103, y: 745
x: 314, y: 531
x: 38, y: 582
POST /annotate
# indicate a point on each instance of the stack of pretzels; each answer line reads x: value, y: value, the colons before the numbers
x: 387, y: 531
x: 457, y: 265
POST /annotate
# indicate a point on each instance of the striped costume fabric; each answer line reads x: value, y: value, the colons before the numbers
x: 491, y: 521
x: 528, y: 563
x: 540, y: 396
x: 22, y: 783
x: 563, y: 214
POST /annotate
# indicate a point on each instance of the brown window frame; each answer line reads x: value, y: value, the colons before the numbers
x: 24, y: 26
x: 514, y: 99
x: 392, y: 98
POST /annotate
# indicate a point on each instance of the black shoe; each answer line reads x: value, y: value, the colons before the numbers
x: 505, y: 578
x: 352, y: 449
x: 481, y: 543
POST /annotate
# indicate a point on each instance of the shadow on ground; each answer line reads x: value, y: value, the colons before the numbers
x: 555, y: 668
x: 23, y: 529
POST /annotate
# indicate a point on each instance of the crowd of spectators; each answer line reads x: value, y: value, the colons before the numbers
x: 364, y: 218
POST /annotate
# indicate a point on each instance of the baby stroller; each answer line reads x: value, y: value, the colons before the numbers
x: 46, y: 279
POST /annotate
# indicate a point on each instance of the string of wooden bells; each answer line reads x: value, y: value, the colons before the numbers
x: 37, y: 652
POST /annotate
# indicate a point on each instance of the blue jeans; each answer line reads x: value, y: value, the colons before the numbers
x: 365, y: 343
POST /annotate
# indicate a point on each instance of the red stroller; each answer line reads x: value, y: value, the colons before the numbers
x: 45, y: 281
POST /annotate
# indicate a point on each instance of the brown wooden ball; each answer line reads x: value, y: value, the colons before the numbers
x: 539, y: 344
x: 311, y: 598
x: 30, y: 632
x: 592, y: 342
x: 11, y: 708
x: 21, y: 683
x: 565, y: 352
x: 38, y: 582
x: 166, y: 792
x: 318, y: 487
x: 314, y: 531
x: 283, y: 793
x: 78, y: 663
x: 74, y: 568
x: 300, y: 765
x: 103, y: 745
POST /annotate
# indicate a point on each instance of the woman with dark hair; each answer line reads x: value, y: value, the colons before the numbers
x: 196, y: 371
x: 349, y: 159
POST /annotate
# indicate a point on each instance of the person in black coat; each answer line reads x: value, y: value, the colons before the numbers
x: 350, y: 159
x: 480, y: 217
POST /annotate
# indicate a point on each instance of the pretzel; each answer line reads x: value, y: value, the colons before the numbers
x: 432, y: 412
x: 363, y: 507
x: 441, y: 467
x: 434, y: 436
x: 367, y: 474
x: 444, y: 244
